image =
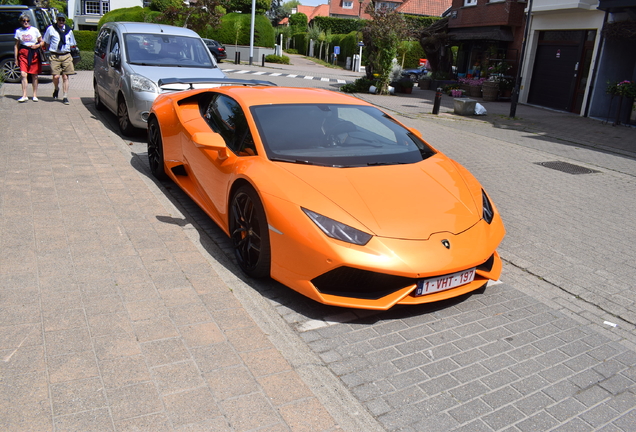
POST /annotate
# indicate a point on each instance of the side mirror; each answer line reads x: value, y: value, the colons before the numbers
x: 415, y: 132
x: 114, y: 59
x: 210, y: 141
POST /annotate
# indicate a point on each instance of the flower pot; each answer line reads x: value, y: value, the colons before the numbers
x: 424, y: 84
x: 474, y: 91
x: 406, y: 90
x: 490, y: 90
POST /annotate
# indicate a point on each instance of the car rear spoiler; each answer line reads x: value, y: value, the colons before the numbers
x: 192, y: 83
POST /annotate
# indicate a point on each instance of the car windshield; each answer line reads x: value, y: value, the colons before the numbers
x: 166, y: 50
x: 336, y: 135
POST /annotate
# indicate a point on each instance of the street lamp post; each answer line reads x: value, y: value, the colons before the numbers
x: 360, y: 8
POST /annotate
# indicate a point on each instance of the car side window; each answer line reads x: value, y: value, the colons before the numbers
x: 9, y: 22
x: 101, y: 45
x: 226, y: 117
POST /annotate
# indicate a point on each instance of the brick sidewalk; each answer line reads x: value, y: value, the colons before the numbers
x: 111, y: 316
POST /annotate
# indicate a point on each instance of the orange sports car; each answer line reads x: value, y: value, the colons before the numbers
x: 327, y: 194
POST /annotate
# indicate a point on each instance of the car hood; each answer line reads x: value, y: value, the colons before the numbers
x: 399, y: 201
x: 155, y: 73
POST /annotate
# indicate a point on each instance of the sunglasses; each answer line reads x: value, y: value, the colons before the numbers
x: 26, y: 21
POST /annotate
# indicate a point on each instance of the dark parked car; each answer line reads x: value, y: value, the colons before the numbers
x: 217, y: 50
x: 416, y: 73
x: 9, y: 22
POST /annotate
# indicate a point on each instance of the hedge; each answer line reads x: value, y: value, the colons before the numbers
x: 264, y: 35
x: 338, y: 25
x: 134, y: 14
x: 85, y: 39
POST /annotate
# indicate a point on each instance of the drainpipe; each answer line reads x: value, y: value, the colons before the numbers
x: 601, y: 42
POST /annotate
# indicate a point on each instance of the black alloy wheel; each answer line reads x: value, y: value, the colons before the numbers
x: 125, y: 127
x: 250, y: 233
x: 10, y: 70
x: 155, y: 150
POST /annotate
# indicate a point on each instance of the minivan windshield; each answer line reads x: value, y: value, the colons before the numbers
x: 336, y: 135
x: 166, y: 50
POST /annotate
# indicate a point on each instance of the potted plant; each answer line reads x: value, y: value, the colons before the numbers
x: 622, y: 89
x: 425, y: 82
x: 475, y: 87
x: 405, y: 85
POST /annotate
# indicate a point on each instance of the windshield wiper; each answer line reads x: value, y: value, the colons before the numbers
x: 296, y: 161
x: 386, y: 163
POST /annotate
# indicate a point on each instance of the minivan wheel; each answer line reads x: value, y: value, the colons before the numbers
x: 10, y: 70
x: 125, y: 127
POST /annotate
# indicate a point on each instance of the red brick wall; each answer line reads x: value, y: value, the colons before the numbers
x: 485, y: 13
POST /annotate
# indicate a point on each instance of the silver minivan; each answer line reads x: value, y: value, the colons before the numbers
x: 131, y: 58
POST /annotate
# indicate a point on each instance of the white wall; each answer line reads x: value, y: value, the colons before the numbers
x: 573, y: 19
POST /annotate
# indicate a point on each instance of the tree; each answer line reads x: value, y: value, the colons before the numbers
x: 289, y: 5
x: 298, y: 22
x: 382, y: 35
x: 245, y: 6
x: 435, y: 43
x: 196, y: 16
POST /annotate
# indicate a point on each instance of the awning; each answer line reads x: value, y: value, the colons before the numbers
x: 494, y: 33
x: 616, y: 5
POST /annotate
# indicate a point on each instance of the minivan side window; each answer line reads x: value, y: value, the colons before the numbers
x: 101, y: 44
x: 226, y: 117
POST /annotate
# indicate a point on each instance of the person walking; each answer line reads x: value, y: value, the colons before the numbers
x: 58, y: 39
x: 28, y: 42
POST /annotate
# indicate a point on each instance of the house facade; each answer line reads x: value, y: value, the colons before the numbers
x: 564, y: 40
x: 87, y: 13
x: 616, y: 62
x: 357, y: 8
x: 487, y: 33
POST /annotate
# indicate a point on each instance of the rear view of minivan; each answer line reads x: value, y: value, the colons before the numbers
x: 131, y: 58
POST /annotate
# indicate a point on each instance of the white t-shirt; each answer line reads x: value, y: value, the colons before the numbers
x: 28, y: 36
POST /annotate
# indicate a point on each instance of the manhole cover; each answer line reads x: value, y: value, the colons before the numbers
x: 566, y: 167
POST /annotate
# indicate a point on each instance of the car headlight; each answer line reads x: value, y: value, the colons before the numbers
x: 488, y: 211
x: 338, y: 230
x: 142, y: 84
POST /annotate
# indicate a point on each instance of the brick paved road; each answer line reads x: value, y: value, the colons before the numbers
x: 530, y: 354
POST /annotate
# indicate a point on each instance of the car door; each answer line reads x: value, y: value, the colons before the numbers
x: 214, y: 170
x: 100, y: 68
x: 112, y: 78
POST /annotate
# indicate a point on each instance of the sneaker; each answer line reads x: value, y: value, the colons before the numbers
x: 35, y: 99
x: 55, y: 93
x: 23, y: 99
x: 65, y: 100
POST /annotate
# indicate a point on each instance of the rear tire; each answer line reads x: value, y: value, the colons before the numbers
x: 155, y: 150
x: 250, y: 233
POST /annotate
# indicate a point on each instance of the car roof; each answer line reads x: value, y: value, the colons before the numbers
x: 151, y: 28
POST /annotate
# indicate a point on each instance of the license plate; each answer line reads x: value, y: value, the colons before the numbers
x: 441, y: 283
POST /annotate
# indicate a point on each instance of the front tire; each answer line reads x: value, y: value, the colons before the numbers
x: 250, y: 233
x: 125, y: 127
x: 10, y: 70
x: 155, y: 150
x: 99, y: 105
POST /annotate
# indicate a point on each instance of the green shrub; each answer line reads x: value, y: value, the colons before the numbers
x: 277, y: 59
x: 361, y: 85
x: 291, y: 51
x: 411, y: 52
x: 338, y: 25
x: 87, y: 61
x: 85, y: 39
x: 162, y: 5
x: 134, y: 14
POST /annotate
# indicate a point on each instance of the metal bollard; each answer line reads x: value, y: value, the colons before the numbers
x: 263, y: 60
x: 237, y: 56
x: 438, y: 100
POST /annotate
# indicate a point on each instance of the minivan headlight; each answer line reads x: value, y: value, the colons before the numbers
x: 142, y: 84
